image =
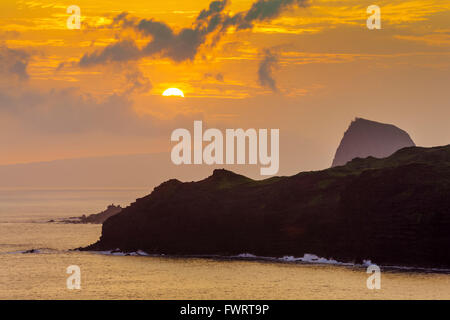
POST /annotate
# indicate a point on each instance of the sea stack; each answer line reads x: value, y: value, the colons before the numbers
x: 365, y: 138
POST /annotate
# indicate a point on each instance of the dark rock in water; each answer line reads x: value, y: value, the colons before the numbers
x: 98, y: 218
x: 392, y: 211
x: 366, y: 138
x: 31, y: 251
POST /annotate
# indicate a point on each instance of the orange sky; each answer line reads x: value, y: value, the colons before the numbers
x: 324, y: 68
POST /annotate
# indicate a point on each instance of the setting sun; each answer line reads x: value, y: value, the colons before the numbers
x: 173, y: 92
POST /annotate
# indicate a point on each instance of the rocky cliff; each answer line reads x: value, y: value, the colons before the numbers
x: 393, y: 211
x: 365, y: 138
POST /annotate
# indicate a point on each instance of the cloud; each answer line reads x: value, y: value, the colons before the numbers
x: 183, y: 45
x: 122, y: 51
x: 138, y: 82
x: 9, y: 34
x: 218, y: 76
x: 179, y: 46
x: 14, y: 62
x: 440, y: 39
x: 265, y: 70
x: 263, y: 10
x: 67, y: 111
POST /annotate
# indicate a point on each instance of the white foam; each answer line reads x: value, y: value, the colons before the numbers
x: 117, y: 252
x: 142, y: 253
x: 312, y: 258
x: 246, y: 255
x: 367, y: 263
x: 307, y: 258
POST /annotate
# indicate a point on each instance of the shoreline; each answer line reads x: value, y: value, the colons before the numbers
x: 307, y: 259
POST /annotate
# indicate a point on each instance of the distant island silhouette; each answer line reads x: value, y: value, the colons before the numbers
x: 96, y: 218
x: 365, y: 138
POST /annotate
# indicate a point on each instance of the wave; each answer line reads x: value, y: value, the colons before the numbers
x: 117, y: 252
x: 307, y: 258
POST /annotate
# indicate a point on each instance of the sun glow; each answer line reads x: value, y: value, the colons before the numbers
x: 173, y: 92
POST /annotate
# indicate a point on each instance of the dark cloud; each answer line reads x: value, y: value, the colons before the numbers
x: 14, y: 62
x: 179, y: 46
x: 265, y: 71
x: 184, y: 45
x: 60, y: 66
x: 263, y: 10
x: 122, y: 51
x: 214, y: 7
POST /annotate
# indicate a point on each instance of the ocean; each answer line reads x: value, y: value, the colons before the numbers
x: 42, y: 273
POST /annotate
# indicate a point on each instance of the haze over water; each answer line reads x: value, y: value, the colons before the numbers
x: 23, y: 216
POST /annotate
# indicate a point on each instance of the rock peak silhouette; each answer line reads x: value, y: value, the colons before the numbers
x: 365, y: 138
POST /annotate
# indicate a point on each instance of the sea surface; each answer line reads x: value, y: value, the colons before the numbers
x: 41, y: 274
